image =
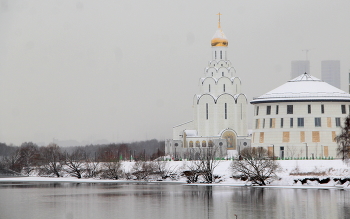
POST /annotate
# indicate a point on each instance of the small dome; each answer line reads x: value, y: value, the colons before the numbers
x: 219, y: 39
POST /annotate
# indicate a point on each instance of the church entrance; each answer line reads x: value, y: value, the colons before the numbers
x: 231, y: 139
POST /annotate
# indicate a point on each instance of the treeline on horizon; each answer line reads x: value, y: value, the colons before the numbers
x: 29, y: 152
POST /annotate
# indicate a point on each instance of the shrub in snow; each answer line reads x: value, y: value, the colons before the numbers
x: 256, y: 166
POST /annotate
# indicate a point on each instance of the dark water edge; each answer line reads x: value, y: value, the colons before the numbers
x: 161, y: 200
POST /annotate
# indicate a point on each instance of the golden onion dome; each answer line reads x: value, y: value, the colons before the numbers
x: 219, y: 38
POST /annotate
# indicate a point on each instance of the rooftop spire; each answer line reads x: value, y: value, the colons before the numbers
x: 219, y: 25
x: 219, y: 38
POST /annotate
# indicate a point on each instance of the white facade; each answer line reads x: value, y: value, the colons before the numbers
x: 301, y: 118
x: 219, y: 109
x: 330, y: 72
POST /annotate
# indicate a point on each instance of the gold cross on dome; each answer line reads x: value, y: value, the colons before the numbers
x: 219, y: 26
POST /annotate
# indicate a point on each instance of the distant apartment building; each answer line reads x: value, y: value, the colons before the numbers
x: 299, y: 67
x: 330, y: 72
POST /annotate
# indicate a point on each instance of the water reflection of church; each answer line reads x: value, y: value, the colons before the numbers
x: 219, y: 109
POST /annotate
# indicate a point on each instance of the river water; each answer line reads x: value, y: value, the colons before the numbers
x: 43, y: 200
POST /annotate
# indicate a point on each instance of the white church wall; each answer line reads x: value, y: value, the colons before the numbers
x: 228, y: 120
x: 236, y: 85
x: 223, y: 85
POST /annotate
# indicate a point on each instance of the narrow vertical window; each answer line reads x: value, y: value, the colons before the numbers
x: 270, y: 122
x: 256, y: 123
x: 300, y: 122
x: 276, y: 109
x: 309, y: 109
x: 209, y: 88
x: 322, y: 108
x: 225, y: 110
x: 337, y: 122
x: 207, y: 110
x: 289, y: 109
x: 263, y: 123
x: 224, y: 88
x: 343, y: 109
x: 268, y: 110
x: 281, y: 122
x: 215, y: 54
x: 317, y: 122
x: 220, y: 54
x: 291, y: 122
x: 257, y: 110
x: 222, y: 73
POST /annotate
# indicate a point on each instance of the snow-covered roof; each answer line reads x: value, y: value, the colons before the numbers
x: 191, y: 133
x: 303, y: 88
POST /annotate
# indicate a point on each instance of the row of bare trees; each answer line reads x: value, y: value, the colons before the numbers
x: 253, y: 165
x: 51, y: 160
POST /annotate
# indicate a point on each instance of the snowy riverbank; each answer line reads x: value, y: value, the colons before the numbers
x: 294, y: 174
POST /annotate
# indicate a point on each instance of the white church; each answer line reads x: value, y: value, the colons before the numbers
x: 219, y: 109
x: 298, y: 119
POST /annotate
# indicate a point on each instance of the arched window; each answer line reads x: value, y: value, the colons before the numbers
x: 191, y: 144
x: 210, y: 143
x: 198, y: 144
x: 204, y: 144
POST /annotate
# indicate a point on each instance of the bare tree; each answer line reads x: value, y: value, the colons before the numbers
x: 204, y: 165
x: 208, y: 162
x: 193, y: 171
x: 291, y: 151
x: 256, y: 166
x: 52, y: 159
x: 143, y: 169
x: 162, y: 169
x: 75, y: 162
x: 29, y: 155
x: 343, y: 140
x: 13, y: 162
x: 91, y: 168
x: 23, y: 159
x: 112, y: 170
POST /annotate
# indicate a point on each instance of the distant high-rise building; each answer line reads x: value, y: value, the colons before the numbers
x: 299, y: 67
x: 330, y: 72
x: 349, y: 81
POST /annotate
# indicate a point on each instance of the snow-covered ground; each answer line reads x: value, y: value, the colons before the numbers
x: 291, y: 175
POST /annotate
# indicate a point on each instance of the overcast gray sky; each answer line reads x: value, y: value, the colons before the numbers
x: 125, y: 71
